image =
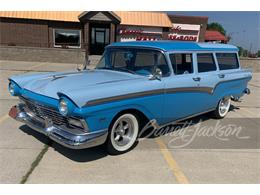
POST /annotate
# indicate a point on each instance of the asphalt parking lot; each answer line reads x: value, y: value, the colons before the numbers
x: 191, y: 156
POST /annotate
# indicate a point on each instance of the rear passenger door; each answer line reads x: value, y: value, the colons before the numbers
x: 181, y: 96
x: 208, y: 76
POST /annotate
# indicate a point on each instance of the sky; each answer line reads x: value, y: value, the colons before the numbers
x: 243, y: 27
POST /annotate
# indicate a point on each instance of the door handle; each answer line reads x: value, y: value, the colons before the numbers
x: 196, y: 78
x: 221, y: 76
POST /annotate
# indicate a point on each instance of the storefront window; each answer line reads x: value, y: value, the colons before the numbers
x: 67, y: 38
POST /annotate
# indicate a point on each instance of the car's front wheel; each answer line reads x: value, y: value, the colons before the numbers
x: 123, y: 133
x: 222, y: 108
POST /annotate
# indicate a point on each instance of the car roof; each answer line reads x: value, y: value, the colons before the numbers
x: 176, y: 45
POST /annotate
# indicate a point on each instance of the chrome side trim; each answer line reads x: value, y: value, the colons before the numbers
x: 189, y: 89
x: 213, y: 89
x: 147, y: 93
x: 122, y: 97
x: 209, y: 90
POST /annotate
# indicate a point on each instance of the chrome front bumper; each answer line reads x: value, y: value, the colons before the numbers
x: 57, y: 133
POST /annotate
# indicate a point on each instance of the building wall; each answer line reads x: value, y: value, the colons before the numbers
x: 19, y: 32
x: 40, y: 54
x: 33, y: 33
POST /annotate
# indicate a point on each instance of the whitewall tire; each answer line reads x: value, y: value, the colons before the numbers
x: 222, y: 108
x: 123, y: 134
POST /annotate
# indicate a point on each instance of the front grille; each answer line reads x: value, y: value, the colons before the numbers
x: 44, y: 111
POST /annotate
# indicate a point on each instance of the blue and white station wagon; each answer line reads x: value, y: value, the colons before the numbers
x: 134, y: 83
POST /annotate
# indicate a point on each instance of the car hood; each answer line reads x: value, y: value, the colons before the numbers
x: 78, y: 86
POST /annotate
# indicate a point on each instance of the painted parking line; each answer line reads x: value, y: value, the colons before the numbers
x: 3, y: 118
x: 177, y: 172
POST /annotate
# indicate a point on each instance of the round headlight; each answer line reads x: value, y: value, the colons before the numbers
x: 12, y: 88
x: 63, y: 107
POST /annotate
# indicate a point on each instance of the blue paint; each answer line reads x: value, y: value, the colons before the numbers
x: 176, y: 45
x: 78, y: 88
x: 41, y: 99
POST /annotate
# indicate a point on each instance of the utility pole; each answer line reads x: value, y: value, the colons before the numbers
x: 250, y: 51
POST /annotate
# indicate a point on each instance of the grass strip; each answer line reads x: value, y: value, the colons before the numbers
x: 34, y: 164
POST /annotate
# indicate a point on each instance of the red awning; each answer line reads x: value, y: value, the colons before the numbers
x: 211, y: 35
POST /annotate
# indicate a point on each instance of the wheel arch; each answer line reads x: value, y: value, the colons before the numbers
x: 141, y: 116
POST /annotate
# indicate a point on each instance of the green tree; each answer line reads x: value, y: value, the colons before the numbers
x: 216, y: 26
x: 258, y: 53
x: 245, y: 53
x: 241, y: 51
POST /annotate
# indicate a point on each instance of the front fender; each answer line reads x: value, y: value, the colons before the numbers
x: 100, y: 117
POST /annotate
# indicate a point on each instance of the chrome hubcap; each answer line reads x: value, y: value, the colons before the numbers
x: 124, y: 132
x: 224, y: 106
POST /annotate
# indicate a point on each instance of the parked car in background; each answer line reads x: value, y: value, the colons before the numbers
x: 134, y: 83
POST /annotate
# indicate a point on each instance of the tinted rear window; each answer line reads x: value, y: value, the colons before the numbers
x: 206, y: 62
x: 227, y: 61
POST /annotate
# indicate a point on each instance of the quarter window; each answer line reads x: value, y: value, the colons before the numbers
x: 206, y: 62
x: 227, y: 61
x: 181, y: 63
x: 66, y: 38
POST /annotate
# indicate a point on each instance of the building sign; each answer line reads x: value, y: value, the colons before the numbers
x: 182, y: 37
x: 184, y: 32
x: 131, y: 33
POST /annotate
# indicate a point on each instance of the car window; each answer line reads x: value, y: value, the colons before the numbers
x: 134, y: 60
x: 146, y: 60
x: 118, y: 59
x: 206, y: 62
x: 182, y: 63
x: 227, y: 61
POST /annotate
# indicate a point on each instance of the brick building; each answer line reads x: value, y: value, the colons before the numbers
x: 91, y: 31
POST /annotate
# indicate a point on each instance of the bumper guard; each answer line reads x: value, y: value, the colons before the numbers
x: 57, y: 133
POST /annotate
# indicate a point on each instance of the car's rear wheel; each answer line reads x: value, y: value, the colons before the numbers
x: 123, y: 133
x: 222, y: 108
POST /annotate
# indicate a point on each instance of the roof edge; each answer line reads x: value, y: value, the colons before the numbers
x: 113, y: 14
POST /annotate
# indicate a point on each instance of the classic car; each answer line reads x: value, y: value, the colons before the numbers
x: 133, y: 83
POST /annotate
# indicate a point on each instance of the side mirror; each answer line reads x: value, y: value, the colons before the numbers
x: 157, y: 75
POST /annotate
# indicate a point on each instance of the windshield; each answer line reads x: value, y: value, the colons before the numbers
x: 133, y: 60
